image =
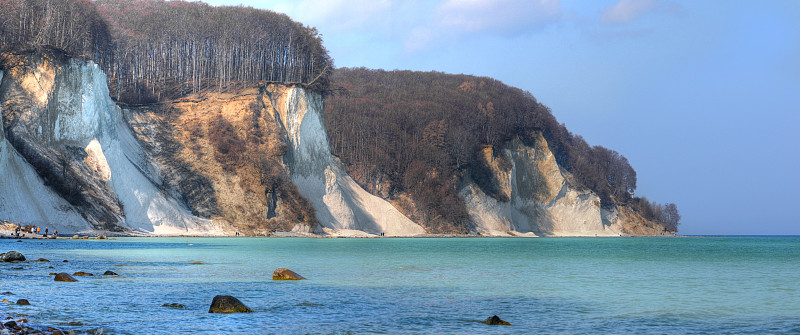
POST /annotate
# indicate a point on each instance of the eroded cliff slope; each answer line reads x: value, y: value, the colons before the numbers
x: 70, y: 161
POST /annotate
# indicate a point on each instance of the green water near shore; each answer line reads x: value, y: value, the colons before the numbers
x: 437, y: 285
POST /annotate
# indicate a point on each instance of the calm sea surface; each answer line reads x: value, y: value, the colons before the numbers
x: 725, y: 285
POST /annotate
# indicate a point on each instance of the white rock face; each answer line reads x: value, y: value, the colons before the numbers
x: 343, y: 207
x: 83, y: 115
x: 541, y: 202
x: 25, y: 199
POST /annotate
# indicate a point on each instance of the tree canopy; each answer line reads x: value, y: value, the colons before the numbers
x: 152, y: 49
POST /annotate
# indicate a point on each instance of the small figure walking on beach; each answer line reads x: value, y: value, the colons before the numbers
x: 45, y: 231
x: 55, y: 233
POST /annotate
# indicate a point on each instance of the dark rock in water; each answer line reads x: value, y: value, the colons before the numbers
x: 228, y: 304
x: 13, y: 256
x: 110, y: 273
x: 286, y: 274
x: 23, y: 302
x: 495, y: 321
x: 64, y: 261
x: 63, y: 276
x: 174, y: 305
x: 7, y: 293
x: 43, y: 260
x: 57, y: 332
x: 82, y: 274
x: 10, y: 324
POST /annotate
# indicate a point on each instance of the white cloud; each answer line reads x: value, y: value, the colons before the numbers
x: 497, y: 15
x: 626, y: 11
x: 336, y: 15
x: 455, y: 19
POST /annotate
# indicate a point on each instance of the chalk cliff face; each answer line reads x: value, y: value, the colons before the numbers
x: 256, y: 161
x: 70, y: 162
x: 342, y: 206
x: 539, y: 201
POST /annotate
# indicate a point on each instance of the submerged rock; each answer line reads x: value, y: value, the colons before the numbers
x: 23, y: 302
x: 174, y: 305
x: 82, y: 274
x: 228, y: 304
x: 110, y: 273
x: 495, y: 321
x: 13, y: 256
x: 43, y: 260
x: 286, y: 274
x: 63, y: 276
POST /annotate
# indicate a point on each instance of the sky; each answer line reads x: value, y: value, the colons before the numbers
x: 702, y: 97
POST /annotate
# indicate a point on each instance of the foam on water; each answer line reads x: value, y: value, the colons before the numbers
x: 561, y: 285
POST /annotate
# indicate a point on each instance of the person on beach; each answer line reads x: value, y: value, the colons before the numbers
x: 55, y: 233
x: 45, y: 231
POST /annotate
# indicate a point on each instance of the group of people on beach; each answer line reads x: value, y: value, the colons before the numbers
x: 33, y: 230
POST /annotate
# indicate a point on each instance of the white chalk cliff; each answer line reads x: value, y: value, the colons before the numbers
x: 342, y: 206
x: 540, y: 200
x: 64, y: 110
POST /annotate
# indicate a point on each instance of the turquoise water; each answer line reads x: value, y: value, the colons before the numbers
x: 731, y: 285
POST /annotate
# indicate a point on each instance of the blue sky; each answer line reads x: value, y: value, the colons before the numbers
x: 703, y: 97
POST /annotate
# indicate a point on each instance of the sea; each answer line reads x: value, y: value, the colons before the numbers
x: 642, y: 285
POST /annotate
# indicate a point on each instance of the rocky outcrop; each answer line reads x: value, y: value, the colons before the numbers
x: 65, y: 277
x: 494, y: 320
x: 228, y: 304
x: 12, y: 256
x: 286, y: 274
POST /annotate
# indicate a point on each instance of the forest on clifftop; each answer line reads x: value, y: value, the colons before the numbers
x: 421, y: 133
x: 152, y: 49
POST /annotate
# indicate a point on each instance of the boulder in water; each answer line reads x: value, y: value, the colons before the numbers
x: 82, y: 274
x: 228, y: 304
x: 494, y: 320
x: 286, y: 274
x: 63, y: 276
x: 43, y: 260
x: 23, y: 302
x: 110, y: 273
x: 13, y: 256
